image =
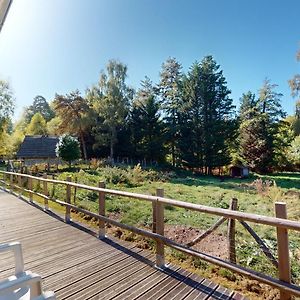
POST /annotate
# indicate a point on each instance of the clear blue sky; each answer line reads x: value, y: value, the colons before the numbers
x: 60, y: 45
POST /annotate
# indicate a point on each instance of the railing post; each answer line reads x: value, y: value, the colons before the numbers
x: 231, y: 233
x: 11, y: 182
x: 160, y: 229
x: 283, y: 249
x: 45, y: 192
x: 30, y: 186
x: 154, y: 217
x: 101, y: 210
x: 19, y: 179
x: 68, y: 200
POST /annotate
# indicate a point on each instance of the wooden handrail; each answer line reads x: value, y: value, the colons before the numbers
x: 282, y: 224
x: 229, y: 214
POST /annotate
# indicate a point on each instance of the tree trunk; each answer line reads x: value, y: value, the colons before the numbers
x: 173, y: 154
x: 111, y: 149
x: 83, y: 146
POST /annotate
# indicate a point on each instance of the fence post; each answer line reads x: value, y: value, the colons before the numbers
x: 45, y: 192
x: 68, y: 200
x: 160, y: 251
x: 154, y: 217
x: 30, y: 186
x: 283, y: 249
x: 231, y: 233
x: 101, y: 210
x: 20, y: 185
x: 11, y: 182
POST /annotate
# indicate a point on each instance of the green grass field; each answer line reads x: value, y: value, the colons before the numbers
x: 254, y: 195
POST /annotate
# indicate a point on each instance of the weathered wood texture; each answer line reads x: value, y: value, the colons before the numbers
x: 77, y: 265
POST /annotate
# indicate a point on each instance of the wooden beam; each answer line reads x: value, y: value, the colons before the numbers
x: 101, y: 210
x: 30, y: 187
x: 261, y: 244
x: 283, y: 250
x: 45, y: 192
x: 207, y: 232
x: 260, y: 219
x: 231, y: 233
x: 68, y: 200
x: 160, y: 229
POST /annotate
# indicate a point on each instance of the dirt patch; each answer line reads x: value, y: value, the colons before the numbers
x: 214, y: 244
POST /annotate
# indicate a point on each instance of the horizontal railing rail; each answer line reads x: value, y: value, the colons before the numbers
x: 158, y: 202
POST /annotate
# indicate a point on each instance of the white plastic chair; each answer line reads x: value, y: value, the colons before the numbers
x: 23, y: 285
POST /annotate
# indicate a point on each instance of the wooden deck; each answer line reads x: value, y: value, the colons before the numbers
x: 76, y: 265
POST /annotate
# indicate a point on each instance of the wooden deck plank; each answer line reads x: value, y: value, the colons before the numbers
x: 146, y: 284
x: 164, y: 287
x: 221, y: 294
x: 184, y: 288
x: 76, y: 265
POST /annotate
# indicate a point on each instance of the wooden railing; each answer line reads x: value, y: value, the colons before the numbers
x: 280, y: 222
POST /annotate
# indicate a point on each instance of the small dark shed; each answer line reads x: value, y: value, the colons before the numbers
x: 239, y: 171
x: 38, y: 149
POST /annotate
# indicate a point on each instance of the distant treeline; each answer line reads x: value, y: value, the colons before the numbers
x: 185, y: 120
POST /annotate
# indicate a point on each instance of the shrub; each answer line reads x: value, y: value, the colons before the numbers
x: 68, y: 148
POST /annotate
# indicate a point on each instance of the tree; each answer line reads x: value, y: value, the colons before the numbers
x: 147, y: 136
x: 259, y: 126
x: 74, y: 113
x: 110, y: 100
x: 170, y: 91
x: 207, y: 116
x: 53, y: 126
x: 37, y: 125
x: 39, y: 105
x: 294, y: 152
x: 68, y: 149
x: 6, y: 103
x: 295, y: 81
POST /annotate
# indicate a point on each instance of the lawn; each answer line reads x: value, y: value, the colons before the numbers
x: 256, y: 194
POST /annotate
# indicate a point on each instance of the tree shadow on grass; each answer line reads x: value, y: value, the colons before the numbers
x: 283, y: 180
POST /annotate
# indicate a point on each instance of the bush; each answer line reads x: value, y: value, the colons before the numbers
x: 68, y: 149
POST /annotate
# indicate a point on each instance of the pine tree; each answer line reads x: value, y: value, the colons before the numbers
x: 259, y: 126
x: 170, y: 92
x: 207, y: 116
x: 147, y: 136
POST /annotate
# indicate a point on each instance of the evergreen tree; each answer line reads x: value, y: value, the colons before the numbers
x: 207, y: 116
x: 259, y: 127
x: 147, y: 136
x: 170, y: 91
x: 39, y: 105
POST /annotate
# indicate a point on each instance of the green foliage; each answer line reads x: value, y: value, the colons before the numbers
x: 206, y: 122
x: 6, y: 103
x: 147, y: 129
x: 170, y: 88
x: 259, y: 128
x: 53, y: 126
x: 294, y: 151
x: 110, y: 100
x: 68, y: 148
x: 37, y: 125
x: 75, y: 116
x: 41, y: 106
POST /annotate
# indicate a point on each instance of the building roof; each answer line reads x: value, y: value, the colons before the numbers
x: 38, y: 146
